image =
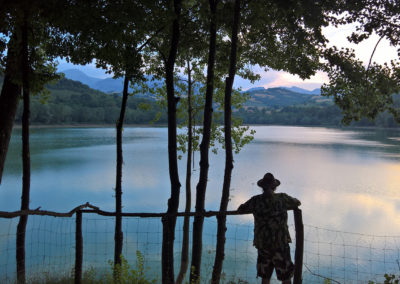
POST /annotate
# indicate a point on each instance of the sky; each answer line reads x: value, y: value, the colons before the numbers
x: 273, y: 78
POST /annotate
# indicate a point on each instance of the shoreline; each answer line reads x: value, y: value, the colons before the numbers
x: 88, y: 125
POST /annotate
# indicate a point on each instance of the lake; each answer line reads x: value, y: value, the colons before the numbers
x: 348, y: 181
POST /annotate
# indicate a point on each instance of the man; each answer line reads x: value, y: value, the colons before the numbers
x: 271, y: 233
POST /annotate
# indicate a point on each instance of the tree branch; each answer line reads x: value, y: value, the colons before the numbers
x: 150, y: 38
x: 372, y: 54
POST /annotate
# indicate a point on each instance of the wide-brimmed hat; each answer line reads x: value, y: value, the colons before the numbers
x: 268, y: 180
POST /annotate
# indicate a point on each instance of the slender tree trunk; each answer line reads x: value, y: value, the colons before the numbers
x: 204, y: 147
x: 169, y: 222
x: 185, y: 239
x: 9, y: 98
x: 26, y: 168
x: 118, y: 237
x: 220, y: 250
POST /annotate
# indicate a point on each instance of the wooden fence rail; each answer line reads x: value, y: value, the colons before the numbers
x: 91, y: 209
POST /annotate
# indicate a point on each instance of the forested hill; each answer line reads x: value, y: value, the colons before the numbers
x: 71, y: 102
x: 281, y: 97
x: 282, y: 106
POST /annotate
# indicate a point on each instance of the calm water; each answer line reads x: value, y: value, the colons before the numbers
x: 347, y: 180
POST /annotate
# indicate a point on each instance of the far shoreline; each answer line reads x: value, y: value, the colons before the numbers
x: 84, y: 125
x: 88, y: 125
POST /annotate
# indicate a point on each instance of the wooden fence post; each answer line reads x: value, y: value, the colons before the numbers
x: 298, y: 256
x: 78, y: 248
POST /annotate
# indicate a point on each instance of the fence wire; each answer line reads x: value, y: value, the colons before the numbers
x: 349, y: 257
x: 50, y: 246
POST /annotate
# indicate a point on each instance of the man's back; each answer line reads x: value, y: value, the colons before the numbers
x: 270, y: 219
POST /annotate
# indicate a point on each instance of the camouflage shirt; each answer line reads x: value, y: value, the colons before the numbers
x: 270, y: 219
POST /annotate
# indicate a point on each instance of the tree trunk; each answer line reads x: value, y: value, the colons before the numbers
x: 9, y: 98
x: 26, y: 168
x: 169, y: 222
x: 220, y: 250
x: 204, y: 147
x: 118, y: 237
x: 185, y: 238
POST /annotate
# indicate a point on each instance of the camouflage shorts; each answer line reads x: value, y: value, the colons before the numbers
x: 279, y: 259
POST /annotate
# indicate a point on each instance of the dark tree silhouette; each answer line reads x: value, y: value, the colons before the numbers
x: 204, y: 147
x: 169, y: 222
x: 220, y: 250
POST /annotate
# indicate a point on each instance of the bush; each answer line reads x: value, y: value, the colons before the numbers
x: 124, y: 274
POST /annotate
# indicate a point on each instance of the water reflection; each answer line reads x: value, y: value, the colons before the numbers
x: 350, y: 186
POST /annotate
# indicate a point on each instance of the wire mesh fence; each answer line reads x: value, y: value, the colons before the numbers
x: 349, y: 257
x: 50, y: 250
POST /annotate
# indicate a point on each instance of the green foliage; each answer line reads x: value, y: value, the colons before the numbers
x: 380, y: 17
x: 42, y: 65
x: 127, y: 275
x: 239, y: 281
x: 241, y: 135
x: 358, y: 90
x: 233, y: 280
x: 88, y: 277
x: 389, y: 279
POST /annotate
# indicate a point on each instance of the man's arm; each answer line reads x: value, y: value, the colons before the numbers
x: 291, y: 202
x: 246, y: 207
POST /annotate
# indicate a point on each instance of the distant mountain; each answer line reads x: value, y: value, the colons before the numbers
x: 255, y: 89
x: 77, y: 75
x: 316, y: 91
x: 294, y: 89
x: 110, y: 85
x: 107, y: 85
x: 281, y: 97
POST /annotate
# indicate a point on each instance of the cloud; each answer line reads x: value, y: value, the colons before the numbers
x: 338, y: 37
x: 273, y: 78
x: 284, y: 79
